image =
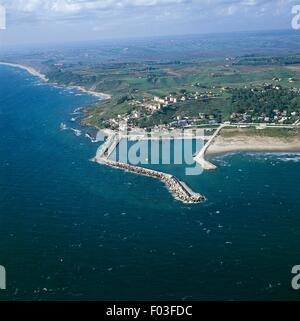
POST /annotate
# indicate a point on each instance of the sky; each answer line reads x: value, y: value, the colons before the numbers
x: 39, y: 21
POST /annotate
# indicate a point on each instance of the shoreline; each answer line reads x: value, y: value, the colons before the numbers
x: 242, y: 143
x: 222, y: 145
x: 34, y: 72
x: 102, y: 96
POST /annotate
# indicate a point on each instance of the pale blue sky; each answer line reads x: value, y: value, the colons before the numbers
x: 30, y: 21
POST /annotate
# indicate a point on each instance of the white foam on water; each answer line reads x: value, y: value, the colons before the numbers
x: 266, y: 156
x: 291, y: 159
x: 280, y: 156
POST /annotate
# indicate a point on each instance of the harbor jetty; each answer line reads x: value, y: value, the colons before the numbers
x: 107, y: 147
x: 179, y: 189
x: 200, y: 157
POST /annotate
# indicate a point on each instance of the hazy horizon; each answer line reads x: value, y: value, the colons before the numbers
x: 53, y: 21
x: 128, y: 39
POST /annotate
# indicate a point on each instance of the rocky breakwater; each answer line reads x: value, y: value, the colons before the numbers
x: 179, y: 189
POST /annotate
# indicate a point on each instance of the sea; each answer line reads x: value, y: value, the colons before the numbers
x: 71, y: 229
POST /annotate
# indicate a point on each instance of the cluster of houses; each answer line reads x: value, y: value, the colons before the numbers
x: 290, y: 80
x: 277, y: 117
x: 160, y: 102
x: 186, y: 122
x: 148, y: 106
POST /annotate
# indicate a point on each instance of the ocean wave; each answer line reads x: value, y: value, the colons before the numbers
x: 279, y: 156
x: 260, y: 156
x: 291, y: 159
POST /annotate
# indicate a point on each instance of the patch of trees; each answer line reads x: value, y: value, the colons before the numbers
x: 264, y: 100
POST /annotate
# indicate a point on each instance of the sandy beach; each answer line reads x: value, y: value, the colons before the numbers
x: 91, y: 92
x: 31, y: 70
x: 242, y: 143
x: 36, y: 73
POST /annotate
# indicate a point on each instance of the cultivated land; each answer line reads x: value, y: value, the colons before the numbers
x: 181, y: 94
x: 181, y: 82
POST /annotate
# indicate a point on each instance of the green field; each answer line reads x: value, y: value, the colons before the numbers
x: 267, y: 132
x: 237, y: 73
x: 139, y: 80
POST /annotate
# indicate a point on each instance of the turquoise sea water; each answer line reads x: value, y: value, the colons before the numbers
x: 72, y: 229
